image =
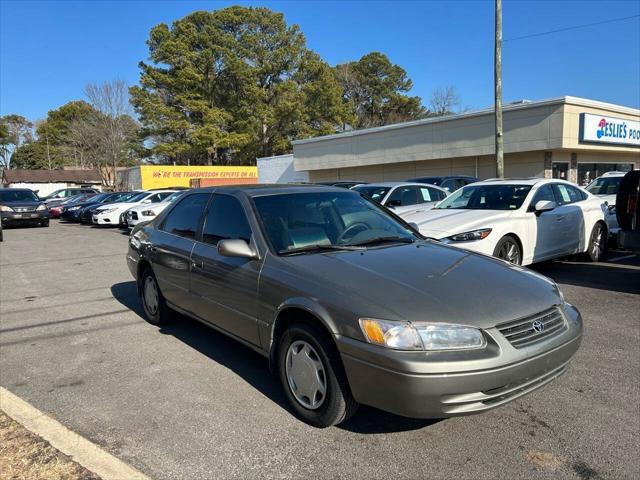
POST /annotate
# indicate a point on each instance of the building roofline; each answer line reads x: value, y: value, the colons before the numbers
x: 519, y: 105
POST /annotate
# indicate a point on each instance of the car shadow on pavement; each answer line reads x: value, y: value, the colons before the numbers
x: 254, y: 368
x: 621, y: 277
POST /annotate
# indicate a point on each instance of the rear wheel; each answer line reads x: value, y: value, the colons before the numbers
x: 597, y: 243
x: 313, y: 377
x: 154, y: 304
x: 508, y: 249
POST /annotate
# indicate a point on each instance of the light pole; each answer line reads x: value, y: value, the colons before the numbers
x: 497, y: 77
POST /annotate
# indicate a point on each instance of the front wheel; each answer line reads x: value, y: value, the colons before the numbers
x: 313, y: 377
x: 597, y: 244
x: 508, y: 249
x: 44, y: 223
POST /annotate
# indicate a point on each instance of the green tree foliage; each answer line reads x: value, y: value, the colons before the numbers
x: 236, y: 80
x: 375, y: 90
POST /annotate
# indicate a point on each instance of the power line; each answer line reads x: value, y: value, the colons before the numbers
x: 572, y: 28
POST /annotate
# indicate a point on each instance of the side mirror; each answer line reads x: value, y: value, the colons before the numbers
x: 146, y: 201
x: 392, y: 203
x: 544, y: 206
x: 236, y: 248
x: 414, y: 225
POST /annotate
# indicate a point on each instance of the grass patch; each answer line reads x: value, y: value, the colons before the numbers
x: 26, y: 456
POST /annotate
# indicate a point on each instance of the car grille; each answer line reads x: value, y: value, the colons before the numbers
x: 24, y: 209
x: 536, y: 328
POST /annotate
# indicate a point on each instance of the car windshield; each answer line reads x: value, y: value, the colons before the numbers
x: 486, y: 197
x: 313, y: 222
x: 18, y: 196
x: 605, y: 186
x: 376, y: 194
x: 99, y: 197
x: 136, y: 197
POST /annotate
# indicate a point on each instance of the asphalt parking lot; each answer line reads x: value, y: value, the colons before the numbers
x: 184, y: 401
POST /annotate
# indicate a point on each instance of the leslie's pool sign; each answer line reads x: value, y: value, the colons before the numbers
x: 600, y: 129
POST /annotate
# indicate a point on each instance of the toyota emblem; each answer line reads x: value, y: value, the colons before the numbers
x: 538, y: 326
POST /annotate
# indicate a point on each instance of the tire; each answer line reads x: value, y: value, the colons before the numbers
x: 509, y: 250
x: 597, y: 243
x: 157, y: 313
x: 333, y: 406
x: 44, y: 223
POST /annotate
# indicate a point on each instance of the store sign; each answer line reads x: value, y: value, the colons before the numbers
x: 600, y: 129
x: 164, y: 176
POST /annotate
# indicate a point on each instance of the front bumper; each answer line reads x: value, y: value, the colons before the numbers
x: 413, y: 386
x: 21, y: 218
x: 106, y: 219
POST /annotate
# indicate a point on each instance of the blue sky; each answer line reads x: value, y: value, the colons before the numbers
x: 50, y: 50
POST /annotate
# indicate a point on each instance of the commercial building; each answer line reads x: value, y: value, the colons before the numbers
x: 567, y: 137
x: 44, y: 182
x: 279, y: 169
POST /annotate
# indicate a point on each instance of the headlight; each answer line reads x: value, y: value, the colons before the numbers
x: 421, y: 335
x: 41, y: 207
x: 470, y: 236
x: 4, y: 208
x: 149, y: 213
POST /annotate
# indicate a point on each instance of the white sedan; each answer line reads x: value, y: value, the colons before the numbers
x: 146, y: 212
x: 520, y: 221
x: 403, y: 197
x: 113, y: 214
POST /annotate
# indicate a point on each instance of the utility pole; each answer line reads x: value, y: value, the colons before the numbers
x: 497, y: 78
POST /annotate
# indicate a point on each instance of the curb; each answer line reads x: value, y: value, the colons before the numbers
x: 81, y: 450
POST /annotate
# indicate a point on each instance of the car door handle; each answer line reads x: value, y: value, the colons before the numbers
x: 559, y: 219
x: 198, y: 265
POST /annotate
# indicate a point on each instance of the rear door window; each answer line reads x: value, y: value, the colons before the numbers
x: 184, y: 218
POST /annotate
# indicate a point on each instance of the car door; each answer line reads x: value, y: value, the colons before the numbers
x: 225, y: 288
x: 573, y: 228
x: 546, y: 229
x: 171, y: 245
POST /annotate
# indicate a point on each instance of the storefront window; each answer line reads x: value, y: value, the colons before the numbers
x: 560, y: 170
x: 588, y: 172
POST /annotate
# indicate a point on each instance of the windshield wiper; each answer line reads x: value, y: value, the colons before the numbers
x: 376, y: 240
x: 317, y: 248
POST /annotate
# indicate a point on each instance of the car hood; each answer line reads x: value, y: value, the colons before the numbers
x: 440, y: 222
x: 119, y: 205
x: 21, y: 204
x: 429, y: 282
x: 147, y: 206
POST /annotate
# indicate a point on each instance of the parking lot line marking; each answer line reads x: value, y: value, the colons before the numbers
x: 81, y: 450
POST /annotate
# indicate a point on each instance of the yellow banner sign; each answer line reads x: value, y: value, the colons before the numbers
x: 165, y: 176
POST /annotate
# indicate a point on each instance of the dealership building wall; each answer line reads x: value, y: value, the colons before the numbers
x: 549, y: 138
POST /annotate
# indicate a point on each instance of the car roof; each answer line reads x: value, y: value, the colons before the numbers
x: 260, y: 189
x: 397, y: 184
x: 523, y: 181
x: 613, y: 174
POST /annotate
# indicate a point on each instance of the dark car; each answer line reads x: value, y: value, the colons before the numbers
x: 341, y: 183
x: 351, y: 305
x: 20, y: 206
x: 85, y: 214
x: 628, y: 211
x: 450, y: 183
x: 72, y: 211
